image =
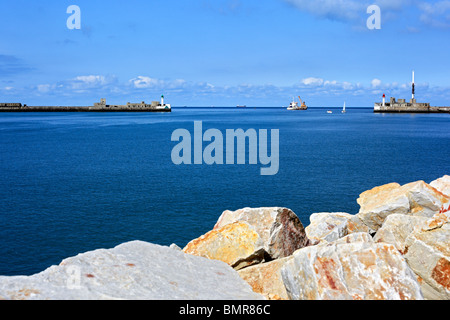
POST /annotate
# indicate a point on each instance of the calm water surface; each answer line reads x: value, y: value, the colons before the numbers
x: 75, y: 182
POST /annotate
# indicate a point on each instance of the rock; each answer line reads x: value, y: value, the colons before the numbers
x: 396, y: 228
x: 265, y: 278
x: 351, y: 268
x: 134, y: 270
x: 442, y: 185
x: 416, y: 198
x: 328, y: 227
x: 280, y: 229
x: 236, y: 244
x: 175, y: 246
x: 428, y: 254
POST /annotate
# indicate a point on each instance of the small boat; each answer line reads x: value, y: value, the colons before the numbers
x: 329, y: 111
x: 241, y: 106
x: 294, y: 105
x: 343, y: 109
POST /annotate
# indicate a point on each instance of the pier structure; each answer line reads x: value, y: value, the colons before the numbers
x: 411, y: 106
x: 102, y: 106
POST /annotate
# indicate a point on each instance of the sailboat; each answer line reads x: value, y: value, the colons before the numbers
x: 343, y: 109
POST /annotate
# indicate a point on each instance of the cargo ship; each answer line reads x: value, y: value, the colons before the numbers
x: 294, y: 105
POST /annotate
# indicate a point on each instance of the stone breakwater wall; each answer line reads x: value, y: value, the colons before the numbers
x: 397, y: 247
x: 81, y: 109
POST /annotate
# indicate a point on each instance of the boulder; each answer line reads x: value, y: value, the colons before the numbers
x: 134, y: 270
x: 265, y: 278
x: 237, y: 244
x: 351, y: 268
x: 416, y: 198
x: 280, y: 229
x: 442, y: 185
x: 396, y: 228
x: 427, y: 251
x: 326, y: 226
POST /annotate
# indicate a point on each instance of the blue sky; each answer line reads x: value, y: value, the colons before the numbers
x: 224, y: 52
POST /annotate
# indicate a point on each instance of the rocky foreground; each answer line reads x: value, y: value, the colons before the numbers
x: 396, y: 247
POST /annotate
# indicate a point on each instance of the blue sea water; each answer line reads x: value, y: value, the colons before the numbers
x: 75, y: 182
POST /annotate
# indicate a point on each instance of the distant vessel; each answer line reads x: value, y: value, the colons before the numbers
x: 294, y: 105
x: 329, y: 111
x: 343, y: 109
x: 243, y: 106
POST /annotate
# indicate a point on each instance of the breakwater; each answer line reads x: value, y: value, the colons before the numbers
x: 80, y: 109
x: 410, y: 109
x: 154, y: 106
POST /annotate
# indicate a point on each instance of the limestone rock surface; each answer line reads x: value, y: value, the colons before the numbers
x: 396, y: 228
x: 330, y: 226
x: 133, y: 270
x: 416, y: 198
x: 280, y: 229
x: 442, y: 185
x: 265, y: 278
x: 427, y: 251
x: 351, y: 268
x: 236, y: 244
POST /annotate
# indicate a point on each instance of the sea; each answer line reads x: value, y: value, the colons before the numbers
x: 76, y: 182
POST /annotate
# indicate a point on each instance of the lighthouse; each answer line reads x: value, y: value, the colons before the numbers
x: 408, y: 107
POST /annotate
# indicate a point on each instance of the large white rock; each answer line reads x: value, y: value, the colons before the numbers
x: 236, y: 244
x: 265, y: 278
x: 427, y: 251
x: 133, y: 270
x: 442, y: 185
x: 279, y: 228
x: 330, y: 226
x: 396, y: 228
x: 416, y: 198
x: 351, y: 268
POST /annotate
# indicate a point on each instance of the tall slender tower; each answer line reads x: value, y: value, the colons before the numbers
x: 413, y: 87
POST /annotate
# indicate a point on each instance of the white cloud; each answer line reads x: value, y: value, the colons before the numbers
x: 82, y: 83
x: 376, y: 83
x: 312, y: 81
x: 346, y: 10
x: 341, y: 10
x: 91, y: 79
x: 142, y: 82
x: 316, y: 91
x: 436, y: 14
x: 44, y: 88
